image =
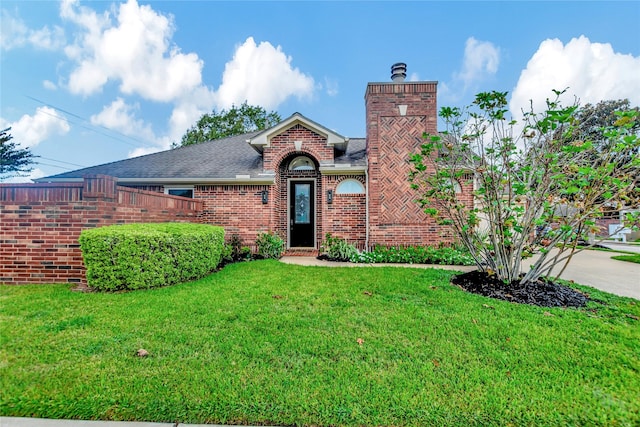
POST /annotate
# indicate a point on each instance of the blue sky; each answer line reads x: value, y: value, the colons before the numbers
x: 91, y: 82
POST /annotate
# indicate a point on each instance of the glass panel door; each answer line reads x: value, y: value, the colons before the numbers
x: 301, y: 214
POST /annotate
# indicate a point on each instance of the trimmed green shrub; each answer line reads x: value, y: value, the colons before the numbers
x: 270, y: 245
x: 338, y: 249
x: 235, y: 251
x: 140, y: 256
x: 415, y: 255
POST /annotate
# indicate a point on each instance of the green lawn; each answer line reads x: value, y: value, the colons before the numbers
x: 269, y: 343
x: 629, y: 258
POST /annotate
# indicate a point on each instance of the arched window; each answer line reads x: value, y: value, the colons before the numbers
x: 456, y: 186
x: 350, y: 186
x: 302, y: 163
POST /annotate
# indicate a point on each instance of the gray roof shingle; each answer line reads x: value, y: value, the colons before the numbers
x: 219, y: 159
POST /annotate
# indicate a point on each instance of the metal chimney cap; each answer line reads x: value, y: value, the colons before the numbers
x: 398, y: 72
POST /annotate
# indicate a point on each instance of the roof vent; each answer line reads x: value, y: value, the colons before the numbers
x: 398, y: 72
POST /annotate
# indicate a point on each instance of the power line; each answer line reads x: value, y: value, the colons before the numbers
x: 55, y: 166
x: 61, y: 161
x: 64, y: 119
x: 92, y: 128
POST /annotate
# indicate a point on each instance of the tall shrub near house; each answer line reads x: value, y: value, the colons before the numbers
x: 537, y: 174
x: 137, y: 256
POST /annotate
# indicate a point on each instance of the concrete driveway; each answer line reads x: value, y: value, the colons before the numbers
x: 598, y: 270
x: 590, y: 268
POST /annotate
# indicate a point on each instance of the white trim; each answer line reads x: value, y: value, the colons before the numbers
x: 315, y: 211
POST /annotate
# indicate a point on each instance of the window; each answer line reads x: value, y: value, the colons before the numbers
x: 610, y: 212
x: 456, y: 186
x: 350, y: 186
x: 302, y: 163
x: 179, y: 191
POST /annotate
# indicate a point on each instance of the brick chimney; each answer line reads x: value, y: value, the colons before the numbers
x: 397, y: 113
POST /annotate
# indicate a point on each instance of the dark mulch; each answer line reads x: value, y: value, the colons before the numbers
x: 542, y: 293
x: 325, y: 257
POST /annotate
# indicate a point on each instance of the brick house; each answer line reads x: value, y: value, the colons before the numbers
x: 303, y: 180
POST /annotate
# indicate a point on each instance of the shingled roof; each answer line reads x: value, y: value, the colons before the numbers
x: 222, y: 159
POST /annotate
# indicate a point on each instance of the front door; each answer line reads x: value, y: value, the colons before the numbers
x: 301, y: 214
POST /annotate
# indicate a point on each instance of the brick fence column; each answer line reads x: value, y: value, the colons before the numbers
x: 100, y: 187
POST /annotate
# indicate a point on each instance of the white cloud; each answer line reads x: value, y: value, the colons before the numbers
x: 121, y: 117
x: 262, y: 75
x: 481, y: 59
x: 135, y: 51
x: 592, y: 71
x: 30, y: 131
x: 331, y: 86
x: 131, y: 45
x: 34, y: 174
x: 14, y: 33
x: 259, y: 74
x: 48, y: 84
x: 143, y: 151
x: 414, y: 77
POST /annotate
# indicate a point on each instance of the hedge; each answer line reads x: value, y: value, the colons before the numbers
x: 139, y: 256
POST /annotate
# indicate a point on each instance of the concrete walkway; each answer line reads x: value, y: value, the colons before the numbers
x: 590, y: 268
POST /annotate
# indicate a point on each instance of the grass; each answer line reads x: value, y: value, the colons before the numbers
x: 629, y: 258
x: 269, y: 343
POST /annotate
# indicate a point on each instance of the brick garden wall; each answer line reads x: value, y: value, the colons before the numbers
x: 40, y: 224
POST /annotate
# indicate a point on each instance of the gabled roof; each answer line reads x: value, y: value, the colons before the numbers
x: 227, y: 160
x: 263, y: 139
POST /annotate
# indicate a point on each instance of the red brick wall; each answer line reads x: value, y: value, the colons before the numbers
x: 40, y: 224
x: 346, y: 216
x: 395, y: 219
x: 281, y: 146
x: 238, y: 208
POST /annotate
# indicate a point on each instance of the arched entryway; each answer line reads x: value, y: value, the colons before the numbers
x: 300, y: 181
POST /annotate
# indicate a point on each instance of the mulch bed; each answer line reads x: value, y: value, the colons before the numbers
x: 325, y: 257
x: 542, y: 293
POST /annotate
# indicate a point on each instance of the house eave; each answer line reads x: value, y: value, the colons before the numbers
x: 240, y: 180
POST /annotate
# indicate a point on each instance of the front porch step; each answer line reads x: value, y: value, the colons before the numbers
x: 301, y: 252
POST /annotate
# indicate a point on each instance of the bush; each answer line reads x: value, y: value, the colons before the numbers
x: 338, y: 249
x: 139, y: 256
x: 415, y: 255
x: 270, y: 245
x: 235, y: 251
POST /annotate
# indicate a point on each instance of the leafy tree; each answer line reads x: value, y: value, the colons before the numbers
x: 593, y: 123
x: 544, y: 176
x: 592, y: 119
x: 14, y: 161
x: 235, y: 121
